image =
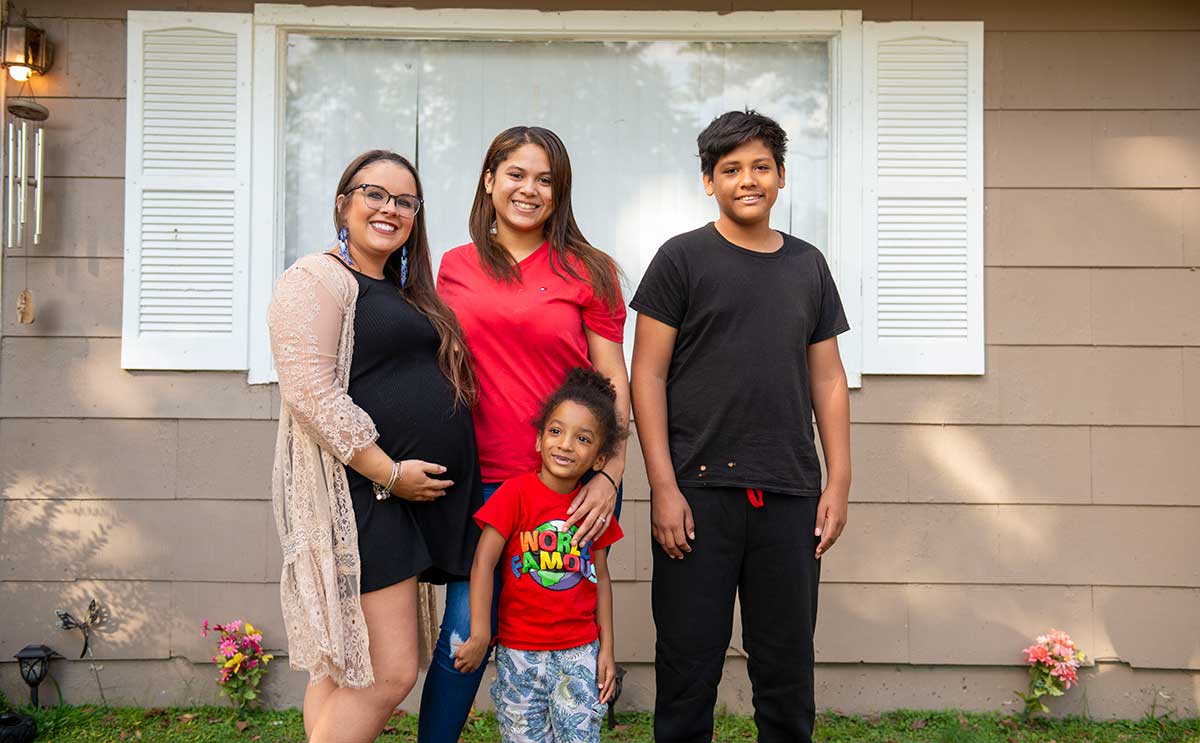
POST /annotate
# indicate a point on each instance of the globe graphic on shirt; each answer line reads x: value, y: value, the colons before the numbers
x: 555, y: 580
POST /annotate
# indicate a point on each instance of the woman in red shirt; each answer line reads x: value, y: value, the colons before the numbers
x: 535, y: 300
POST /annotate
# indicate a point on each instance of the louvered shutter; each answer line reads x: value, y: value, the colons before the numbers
x: 923, y: 200
x: 187, y: 175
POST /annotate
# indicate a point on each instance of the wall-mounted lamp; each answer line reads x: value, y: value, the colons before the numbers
x: 27, y: 50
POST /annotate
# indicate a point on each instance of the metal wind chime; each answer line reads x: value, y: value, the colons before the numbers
x: 20, y: 183
x: 27, y: 52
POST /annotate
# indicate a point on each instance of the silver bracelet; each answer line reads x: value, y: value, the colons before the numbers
x: 383, y: 492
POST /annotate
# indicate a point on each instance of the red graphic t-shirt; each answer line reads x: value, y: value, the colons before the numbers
x: 548, y: 594
x: 523, y: 336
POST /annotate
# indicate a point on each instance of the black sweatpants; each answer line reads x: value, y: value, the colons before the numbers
x: 765, y: 556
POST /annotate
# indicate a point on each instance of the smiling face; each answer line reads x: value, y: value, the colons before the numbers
x: 746, y: 183
x: 377, y: 232
x: 570, y: 446
x: 522, y: 191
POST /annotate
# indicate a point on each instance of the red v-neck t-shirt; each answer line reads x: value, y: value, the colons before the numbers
x: 524, y: 337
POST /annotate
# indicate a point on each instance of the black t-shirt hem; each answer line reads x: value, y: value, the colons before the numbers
x: 642, y: 309
x: 770, y: 487
x: 836, y: 331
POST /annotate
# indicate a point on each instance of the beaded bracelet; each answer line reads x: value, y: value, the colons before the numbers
x: 383, y: 492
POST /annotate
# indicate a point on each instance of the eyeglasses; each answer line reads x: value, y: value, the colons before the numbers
x: 377, y: 198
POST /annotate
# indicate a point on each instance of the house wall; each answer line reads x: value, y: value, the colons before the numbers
x: 1061, y: 489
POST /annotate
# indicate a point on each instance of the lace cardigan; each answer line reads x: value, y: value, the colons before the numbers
x: 311, y: 320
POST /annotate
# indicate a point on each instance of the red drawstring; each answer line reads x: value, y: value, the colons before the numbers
x: 755, y: 497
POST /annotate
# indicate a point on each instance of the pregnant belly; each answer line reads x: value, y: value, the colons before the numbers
x: 448, y: 440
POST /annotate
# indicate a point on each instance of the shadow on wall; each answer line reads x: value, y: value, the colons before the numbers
x: 50, y: 552
x: 45, y: 546
x: 58, y: 553
x: 976, y: 556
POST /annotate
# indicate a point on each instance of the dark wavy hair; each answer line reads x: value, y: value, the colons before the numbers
x: 733, y: 129
x: 565, y: 238
x: 592, y: 390
x: 453, y: 356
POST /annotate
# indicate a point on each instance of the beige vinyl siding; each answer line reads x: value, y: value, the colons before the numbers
x: 1060, y: 489
x: 1096, y: 228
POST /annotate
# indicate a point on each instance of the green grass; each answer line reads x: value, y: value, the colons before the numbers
x: 89, y: 724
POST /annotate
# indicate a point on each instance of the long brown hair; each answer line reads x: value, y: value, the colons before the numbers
x: 560, y: 230
x: 420, y: 292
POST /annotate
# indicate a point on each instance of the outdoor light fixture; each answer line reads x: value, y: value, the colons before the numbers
x: 34, y: 662
x: 27, y: 50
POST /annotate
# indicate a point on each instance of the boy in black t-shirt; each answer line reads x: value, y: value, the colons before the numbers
x: 736, y: 348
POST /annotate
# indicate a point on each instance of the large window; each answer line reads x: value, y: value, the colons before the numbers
x: 629, y: 113
x: 250, y: 119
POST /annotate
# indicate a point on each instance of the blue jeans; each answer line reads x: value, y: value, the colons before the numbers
x: 448, y: 694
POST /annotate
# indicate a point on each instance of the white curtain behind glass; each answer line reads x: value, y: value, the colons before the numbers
x: 344, y: 96
x: 629, y: 113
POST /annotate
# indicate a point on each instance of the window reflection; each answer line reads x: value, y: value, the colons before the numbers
x: 629, y: 113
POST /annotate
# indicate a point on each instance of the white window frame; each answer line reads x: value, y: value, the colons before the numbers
x: 272, y: 23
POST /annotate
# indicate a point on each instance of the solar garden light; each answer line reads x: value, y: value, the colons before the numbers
x: 34, y: 662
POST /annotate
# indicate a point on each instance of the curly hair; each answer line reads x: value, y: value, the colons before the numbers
x: 592, y: 390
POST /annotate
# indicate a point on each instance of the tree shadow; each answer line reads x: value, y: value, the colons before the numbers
x: 51, y: 540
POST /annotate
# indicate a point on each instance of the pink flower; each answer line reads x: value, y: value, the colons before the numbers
x: 252, y: 641
x: 1066, y: 673
x: 234, y: 626
x: 1037, y: 654
x: 204, y: 629
x: 1058, y: 637
x: 228, y: 647
x: 252, y: 663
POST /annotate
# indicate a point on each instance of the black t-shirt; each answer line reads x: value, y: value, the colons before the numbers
x: 739, y: 411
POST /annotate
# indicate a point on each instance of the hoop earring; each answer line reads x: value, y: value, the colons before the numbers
x: 343, y: 236
x: 403, y: 266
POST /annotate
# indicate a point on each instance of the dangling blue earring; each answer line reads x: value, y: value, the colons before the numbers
x: 403, y: 266
x: 344, y: 246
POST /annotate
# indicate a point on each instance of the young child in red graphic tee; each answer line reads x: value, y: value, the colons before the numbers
x: 555, y: 667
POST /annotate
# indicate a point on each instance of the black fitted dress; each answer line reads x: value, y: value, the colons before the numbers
x: 395, y: 378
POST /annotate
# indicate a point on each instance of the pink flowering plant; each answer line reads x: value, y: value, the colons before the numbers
x: 1053, y: 668
x: 241, y: 661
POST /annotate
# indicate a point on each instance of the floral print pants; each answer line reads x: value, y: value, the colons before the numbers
x: 548, y: 696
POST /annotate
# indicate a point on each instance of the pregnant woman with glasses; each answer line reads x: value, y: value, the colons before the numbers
x: 376, y: 473
x: 535, y: 300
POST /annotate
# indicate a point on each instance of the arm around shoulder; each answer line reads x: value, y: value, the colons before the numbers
x: 593, y: 507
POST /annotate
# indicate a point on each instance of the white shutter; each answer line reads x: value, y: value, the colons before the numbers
x: 187, y: 174
x: 923, y: 210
